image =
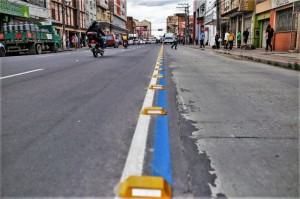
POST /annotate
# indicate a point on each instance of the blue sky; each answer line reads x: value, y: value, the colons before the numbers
x: 155, y: 11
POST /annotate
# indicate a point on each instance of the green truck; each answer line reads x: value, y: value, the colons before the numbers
x: 33, y: 38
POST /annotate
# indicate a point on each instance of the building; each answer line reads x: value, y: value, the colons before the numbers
x: 104, y: 15
x: 282, y: 15
x: 72, y: 15
x: 118, y: 9
x: 131, y: 25
x: 91, y: 10
x: 143, y: 29
x: 177, y: 24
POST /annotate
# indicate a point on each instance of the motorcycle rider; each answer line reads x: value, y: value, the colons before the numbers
x: 125, y: 39
x: 95, y: 27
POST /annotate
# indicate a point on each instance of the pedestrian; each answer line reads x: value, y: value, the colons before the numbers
x: 239, y: 39
x: 217, y: 37
x: 202, y: 37
x: 269, y: 35
x: 73, y: 41
x: 175, y: 42
x: 225, y: 39
x: 76, y: 41
x: 196, y: 41
x: 245, y: 36
x: 230, y: 39
x: 68, y: 42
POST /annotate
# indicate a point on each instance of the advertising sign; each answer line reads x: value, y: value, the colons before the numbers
x: 12, y: 8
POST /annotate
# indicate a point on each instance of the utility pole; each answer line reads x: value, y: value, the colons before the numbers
x: 186, y: 7
x: 218, y: 15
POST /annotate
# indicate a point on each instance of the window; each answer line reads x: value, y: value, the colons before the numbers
x: 284, y: 20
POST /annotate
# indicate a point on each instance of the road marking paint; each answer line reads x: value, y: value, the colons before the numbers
x: 136, y: 154
x: 161, y: 162
x: 32, y: 71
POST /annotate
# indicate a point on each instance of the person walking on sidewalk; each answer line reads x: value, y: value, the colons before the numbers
x: 269, y: 35
x: 245, y: 36
x: 239, y: 39
x: 202, y: 37
x: 225, y: 39
x: 230, y: 39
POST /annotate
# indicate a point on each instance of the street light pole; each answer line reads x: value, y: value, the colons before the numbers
x: 63, y: 22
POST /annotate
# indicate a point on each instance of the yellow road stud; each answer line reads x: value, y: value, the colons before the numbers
x: 160, y: 69
x: 158, y: 76
x: 161, y: 87
x: 154, y: 111
x: 145, y: 187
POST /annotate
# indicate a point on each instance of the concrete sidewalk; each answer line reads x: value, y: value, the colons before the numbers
x: 275, y: 58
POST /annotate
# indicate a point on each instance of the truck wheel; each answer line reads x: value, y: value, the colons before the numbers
x: 2, y: 52
x: 38, y: 49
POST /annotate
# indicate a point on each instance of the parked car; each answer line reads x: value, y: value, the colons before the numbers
x: 111, y: 41
x: 130, y: 42
x: 2, y: 50
x: 142, y: 41
x: 136, y: 42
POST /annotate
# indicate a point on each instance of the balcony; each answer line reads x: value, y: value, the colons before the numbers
x: 210, y: 19
x: 102, y: 4
x: 230, y: 8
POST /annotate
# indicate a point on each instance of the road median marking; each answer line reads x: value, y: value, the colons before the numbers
x: 132, y: 183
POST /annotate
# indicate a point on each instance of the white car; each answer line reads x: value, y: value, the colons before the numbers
x: 142, y: 41
x: 2, y: 50
x: 130, y: 42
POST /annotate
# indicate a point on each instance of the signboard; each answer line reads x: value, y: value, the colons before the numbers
x: 12, y: 8
x: 278, y: 3
x: 247, y: 5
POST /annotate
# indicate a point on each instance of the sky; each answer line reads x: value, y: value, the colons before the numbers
x: 156, y: 11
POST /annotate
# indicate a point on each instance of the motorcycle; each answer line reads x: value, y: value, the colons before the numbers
x: 94, y: 45
x: 125, y: 44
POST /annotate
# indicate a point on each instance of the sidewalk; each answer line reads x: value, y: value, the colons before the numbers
x: 281, y: 59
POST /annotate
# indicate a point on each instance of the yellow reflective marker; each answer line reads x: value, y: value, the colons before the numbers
x: 154, y: 111
x: 161, y: 87
x: 159, y: 69
x: 158, y: 76
x: 145, y: 187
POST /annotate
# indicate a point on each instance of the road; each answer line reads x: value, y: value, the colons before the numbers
x: 68, y: 120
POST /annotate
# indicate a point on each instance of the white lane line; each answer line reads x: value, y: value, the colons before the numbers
x: 32, y: 71
x: 135, y: 158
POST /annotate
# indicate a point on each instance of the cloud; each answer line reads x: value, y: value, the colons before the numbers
x: 155, y: 11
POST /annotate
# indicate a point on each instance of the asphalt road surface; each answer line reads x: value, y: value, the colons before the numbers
x: 68, y: 120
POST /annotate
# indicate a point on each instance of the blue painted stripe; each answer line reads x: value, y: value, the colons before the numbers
x: 161, y: 163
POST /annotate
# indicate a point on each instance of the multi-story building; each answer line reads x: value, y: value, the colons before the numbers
x: 72, y: 14
x: 104, y: 15
x: 282, y: 15
x: 131, y: 25
x: 177, y: 24
x: 143, y: 29
x: 21, y: 11
x: 118, y: 8
x: 91, y: 10
x: 240, y: 14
